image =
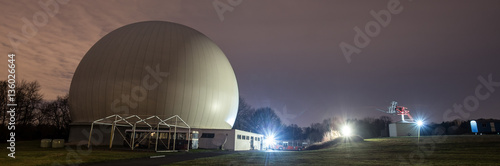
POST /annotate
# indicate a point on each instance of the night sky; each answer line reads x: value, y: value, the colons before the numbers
x: 286, y: 54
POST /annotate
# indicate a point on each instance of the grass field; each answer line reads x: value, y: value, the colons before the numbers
x: 29, y: 153
x: 444, y: 150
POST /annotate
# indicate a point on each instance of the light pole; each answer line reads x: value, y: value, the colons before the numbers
x: 419, y: 124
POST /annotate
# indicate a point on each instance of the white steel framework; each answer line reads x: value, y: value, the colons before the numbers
x: 132, y: 121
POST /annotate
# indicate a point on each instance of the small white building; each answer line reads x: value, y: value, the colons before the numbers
x: 403, y: 128
x: 229, y: 139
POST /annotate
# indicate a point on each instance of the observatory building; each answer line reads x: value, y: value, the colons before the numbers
x: 144, y: 74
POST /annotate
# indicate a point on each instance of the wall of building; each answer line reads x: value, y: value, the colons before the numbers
x: 399, y: 129
x: 219, y: 137
x: 231, y: 139
x: 392, y: 130
x: 246, y: 143
x: 486, y: 126
x: 226, y: 138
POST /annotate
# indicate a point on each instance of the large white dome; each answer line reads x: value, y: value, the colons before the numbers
x: 119, y: 73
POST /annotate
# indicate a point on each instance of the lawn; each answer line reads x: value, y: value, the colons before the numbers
x: 29, y: 153
x: 435, y: 150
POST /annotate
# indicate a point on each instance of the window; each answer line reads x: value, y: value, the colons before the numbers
x: 207, y: 135
x: 248, y: 137
x: 251, y: 138
x: 239, y: 136
x: 163, y: 135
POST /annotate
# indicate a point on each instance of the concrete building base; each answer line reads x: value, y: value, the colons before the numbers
x: 402, y: 128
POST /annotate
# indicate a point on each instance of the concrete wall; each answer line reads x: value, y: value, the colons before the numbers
x: 392, y: 130
x: 221, y: 135
x: 402, y: 129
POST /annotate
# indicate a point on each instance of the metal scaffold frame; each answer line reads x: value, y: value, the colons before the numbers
x: 394, y: 109
x: 117, y: 120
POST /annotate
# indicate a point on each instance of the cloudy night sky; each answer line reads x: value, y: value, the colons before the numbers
x: 286, y: 53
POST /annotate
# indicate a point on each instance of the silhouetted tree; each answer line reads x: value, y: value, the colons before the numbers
x: 244, y: 116
x: 293, y: 132
x: 28, y: 99
x: 56, y: 113
x: 54, y: 118
x: 315, y: 132
x: 265, y: 121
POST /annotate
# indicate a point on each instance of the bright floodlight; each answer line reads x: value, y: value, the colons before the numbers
x: 269, y: 140
x: 346, y: 131
x: 420, y: 123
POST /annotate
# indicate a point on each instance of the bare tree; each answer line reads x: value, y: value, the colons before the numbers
x: 244, y: 116
x: 28, y: 99
x: 56, y: 113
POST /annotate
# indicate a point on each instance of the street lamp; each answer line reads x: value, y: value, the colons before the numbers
x: 420, y: 123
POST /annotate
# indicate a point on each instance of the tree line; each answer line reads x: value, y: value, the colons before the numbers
x: 35, y: 118
x: 265, y: 121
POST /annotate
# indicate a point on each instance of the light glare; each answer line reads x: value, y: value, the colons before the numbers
x: 420, y: 123
x: 269, y: 140
x: 346, y: 131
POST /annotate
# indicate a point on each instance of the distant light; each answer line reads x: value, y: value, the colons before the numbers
x: 420, y: 123
x: 473, y: 126
x: 346, y: 131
